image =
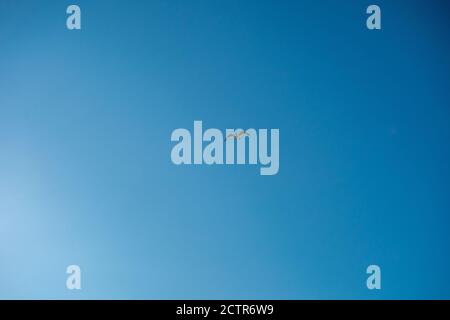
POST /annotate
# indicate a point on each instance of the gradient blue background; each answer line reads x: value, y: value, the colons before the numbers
x: 85, y: 170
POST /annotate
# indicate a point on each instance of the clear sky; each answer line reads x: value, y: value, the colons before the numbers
x: 86, y: 176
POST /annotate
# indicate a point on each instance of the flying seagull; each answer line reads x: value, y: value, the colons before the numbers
x: 237, y: 135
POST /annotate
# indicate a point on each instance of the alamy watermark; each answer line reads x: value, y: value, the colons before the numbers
x: 227, y: 148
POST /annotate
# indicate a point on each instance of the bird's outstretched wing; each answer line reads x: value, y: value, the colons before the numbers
x: 242, y: 134
x: 231, y: 135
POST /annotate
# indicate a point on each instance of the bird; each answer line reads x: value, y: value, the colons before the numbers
x: 237, y: 135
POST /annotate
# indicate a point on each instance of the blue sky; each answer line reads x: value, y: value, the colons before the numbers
x: 85, y: 170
